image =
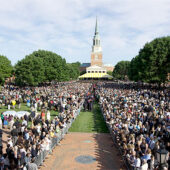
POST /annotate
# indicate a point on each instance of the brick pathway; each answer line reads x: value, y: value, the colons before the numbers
x: 100, y: 146
x: 5, y: 135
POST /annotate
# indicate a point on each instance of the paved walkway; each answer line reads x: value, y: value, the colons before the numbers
x: 5, y: 135
x: 99, y: 146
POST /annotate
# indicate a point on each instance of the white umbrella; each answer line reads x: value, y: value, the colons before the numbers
x: 10, y: 112
x: 22, y: 113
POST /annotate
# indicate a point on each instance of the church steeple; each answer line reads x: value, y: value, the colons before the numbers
x: 96, y: 28
x: 96, y: 55
x: 96, y: 39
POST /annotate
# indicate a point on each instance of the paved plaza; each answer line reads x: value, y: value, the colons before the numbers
x: 75, y: 148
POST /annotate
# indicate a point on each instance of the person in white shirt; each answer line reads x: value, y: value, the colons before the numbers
x: 43, y: 145
x: 0, y: 123
x: 9, y: 106
x: 24, y: 122
x: 35, y: 106
x: 144, y: 165
x: 38, y: 128
x: 22, y: 128
x: 47, y: 142
x: 48, y: 115
x: 10, y: 142
x: 137, y: 162
x: 11, y: 123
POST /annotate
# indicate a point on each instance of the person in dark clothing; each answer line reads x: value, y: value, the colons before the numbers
x: 8, y: 149
x: 44, y: 129
x: 43, y: 135
x: 16, y: 124
x: 14, y: 134
x: 20, y: 162
x: 26, y: 117
x: 33, y: 151
x: 35, y: 132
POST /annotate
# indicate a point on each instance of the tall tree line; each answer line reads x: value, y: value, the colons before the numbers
x: 39, y: 67
x: 151, y: 65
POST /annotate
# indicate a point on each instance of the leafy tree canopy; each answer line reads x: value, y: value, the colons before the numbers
x: 109, y: 73
x: 153, y: 62
x: 43, y: 66
x: 121, y: 70
x: 5, y: 68
x: 73, y: 69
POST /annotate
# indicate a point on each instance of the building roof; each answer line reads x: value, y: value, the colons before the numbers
x: 95, y: 75
x: 85, y: 64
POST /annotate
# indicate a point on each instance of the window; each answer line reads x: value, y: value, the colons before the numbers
x: 96, y: 71
x: 92, y: 71
x: 88, y: 71
x: 96, y: 57
x: 103, y: 71
x: 99, y: 71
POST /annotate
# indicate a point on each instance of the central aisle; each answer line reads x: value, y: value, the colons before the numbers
x: 97, y: 145
x: 90, y: 121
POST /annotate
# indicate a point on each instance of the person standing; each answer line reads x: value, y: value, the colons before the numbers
x: 43, y: 115
x: 18, y: 103
x: 13, y: 103
x: 14, y: 134
x: 9, y: 104
x: 0, y: 123
x: 1, y: 162
x: 11, y: 122
x: 48, y: 115
x: 2, y: 118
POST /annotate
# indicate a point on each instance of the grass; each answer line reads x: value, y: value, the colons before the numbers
x: 53, y: 114
x: 90, y: 121
x: 24, y: 107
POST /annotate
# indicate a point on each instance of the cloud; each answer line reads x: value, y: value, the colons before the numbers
x: 67, y: 27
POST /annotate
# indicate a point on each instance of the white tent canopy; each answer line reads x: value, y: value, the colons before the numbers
x: 10, y: 112
x: 21, y: 114
x: 16, y: 114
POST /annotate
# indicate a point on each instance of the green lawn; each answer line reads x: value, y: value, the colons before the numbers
x: 90, y: 122
x: 53, y: 114
x: 24, y: 107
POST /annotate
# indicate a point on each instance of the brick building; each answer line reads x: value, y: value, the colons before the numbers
x: 96, y: 60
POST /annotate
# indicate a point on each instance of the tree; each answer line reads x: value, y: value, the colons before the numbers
x: 133, y: 72
x: 73, y: 69
x: 109, y: 73
x: 5, y: 68
x: 41, y: 66
x: 30, y: 71
x: 121, y: 70
x: 152, y: 65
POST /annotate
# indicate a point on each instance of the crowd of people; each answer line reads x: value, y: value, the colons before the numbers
x: 139, y: 119
x: 138, y: 116
x: 25, y: 143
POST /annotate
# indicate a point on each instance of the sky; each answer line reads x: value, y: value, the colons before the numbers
x: 66, y: 27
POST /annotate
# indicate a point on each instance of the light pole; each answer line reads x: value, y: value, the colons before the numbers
x: 162, y: 157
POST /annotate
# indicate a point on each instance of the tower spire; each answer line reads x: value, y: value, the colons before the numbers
x: 96, y: 28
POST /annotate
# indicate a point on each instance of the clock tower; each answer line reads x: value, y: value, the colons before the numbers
x: 96, y: 54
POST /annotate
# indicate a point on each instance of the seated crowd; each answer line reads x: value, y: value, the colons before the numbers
x: 139, y: 119
x: 26, y: 142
